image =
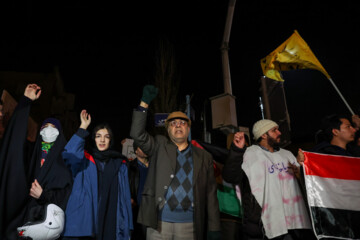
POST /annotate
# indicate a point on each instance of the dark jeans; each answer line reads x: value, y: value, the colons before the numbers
x: 139, y: 232
x: 231, y: 230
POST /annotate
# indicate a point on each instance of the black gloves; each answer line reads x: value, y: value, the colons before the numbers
x: 149, y: 93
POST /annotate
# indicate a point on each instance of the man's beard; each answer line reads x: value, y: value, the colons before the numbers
x: 273, y: 142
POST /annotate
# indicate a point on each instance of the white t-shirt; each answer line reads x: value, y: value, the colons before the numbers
x: 275, y: 188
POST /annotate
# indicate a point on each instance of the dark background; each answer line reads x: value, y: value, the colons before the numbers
x: 105, y: 51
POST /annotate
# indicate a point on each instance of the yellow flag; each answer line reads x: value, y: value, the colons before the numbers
x: 293, y: 54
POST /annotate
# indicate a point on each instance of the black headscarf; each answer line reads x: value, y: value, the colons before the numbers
x: 105, y: 156
x: 109, y: 163
x: 18, y: 171
x: 54, y: 177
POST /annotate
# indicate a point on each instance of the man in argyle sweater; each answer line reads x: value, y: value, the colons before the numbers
x: 179, y: 199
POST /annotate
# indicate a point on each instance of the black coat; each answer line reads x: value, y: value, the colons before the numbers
x: 18, y: 169
x: 134, y: 179
x: 233, y: 173
x: 326, y: 148
x: 134, y: 182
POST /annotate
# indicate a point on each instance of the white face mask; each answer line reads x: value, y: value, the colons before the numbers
x: 49, y: 134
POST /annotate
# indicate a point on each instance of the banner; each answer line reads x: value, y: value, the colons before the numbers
x: 128, y: 149
x: 160, y: 119
x: 333, y: 192
x: 293, y: 54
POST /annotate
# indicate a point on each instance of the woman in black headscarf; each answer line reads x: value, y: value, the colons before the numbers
x: 99, y: 206
x: 28, y: 184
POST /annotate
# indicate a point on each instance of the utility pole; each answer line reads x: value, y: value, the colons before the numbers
x: 225, y: 48
x: 223, y: 105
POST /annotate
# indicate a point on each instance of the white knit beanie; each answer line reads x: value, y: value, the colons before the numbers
x: 262, y: 126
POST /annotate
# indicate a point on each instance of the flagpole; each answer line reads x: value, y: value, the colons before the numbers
x: 352, y: 112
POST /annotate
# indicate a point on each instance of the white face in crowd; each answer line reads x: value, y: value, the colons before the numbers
x: 178, y: 130
x: 102, y: 139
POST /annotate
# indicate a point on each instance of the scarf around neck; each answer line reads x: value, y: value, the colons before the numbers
x: 105, y: 156
x: 46, y: 146
x: 114, y: 194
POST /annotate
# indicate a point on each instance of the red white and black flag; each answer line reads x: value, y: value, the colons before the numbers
x: 333, y: 193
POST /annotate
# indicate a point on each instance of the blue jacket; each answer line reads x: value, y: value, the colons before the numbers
x: 82, y: 208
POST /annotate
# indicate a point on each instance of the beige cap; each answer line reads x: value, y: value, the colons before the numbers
x: 262, y: 126
x: 177, y: 115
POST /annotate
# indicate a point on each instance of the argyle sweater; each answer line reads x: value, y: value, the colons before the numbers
x: 179, y: 196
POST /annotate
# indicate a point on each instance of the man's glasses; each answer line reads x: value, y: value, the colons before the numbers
x: 174, y: 123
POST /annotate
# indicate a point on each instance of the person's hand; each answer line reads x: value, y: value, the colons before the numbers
x: 133, y: 203
x: 85, y: 119
x: 149, y: 93
x: 295, y: 170
x: 300, y: 158
x: 239, y: 139
x: 36, y: 190
x: 356, y: 121
x: 32, y: 91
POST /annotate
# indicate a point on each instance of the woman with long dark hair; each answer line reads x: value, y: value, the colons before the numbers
x: 99, y: 206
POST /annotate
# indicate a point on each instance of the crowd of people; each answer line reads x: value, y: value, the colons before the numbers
x: 58, y: 189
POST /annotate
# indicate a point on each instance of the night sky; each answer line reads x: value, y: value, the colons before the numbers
x: 99, y: 44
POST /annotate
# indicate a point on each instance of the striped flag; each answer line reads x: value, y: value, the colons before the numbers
x: 333, y: 192
x: 229, y: 198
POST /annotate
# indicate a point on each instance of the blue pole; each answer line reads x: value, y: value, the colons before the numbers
x: 188, y: 113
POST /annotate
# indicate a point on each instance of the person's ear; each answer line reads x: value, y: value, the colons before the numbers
x: 335, y: 131
x: 264, y: 136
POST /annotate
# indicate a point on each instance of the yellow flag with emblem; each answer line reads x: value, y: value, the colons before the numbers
x: 293, y: 54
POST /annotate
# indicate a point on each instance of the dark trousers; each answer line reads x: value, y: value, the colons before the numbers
x: 139, y: 232
x: 231, y: 229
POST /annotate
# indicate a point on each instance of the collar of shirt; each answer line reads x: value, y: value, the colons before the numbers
x: 275, y: 149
